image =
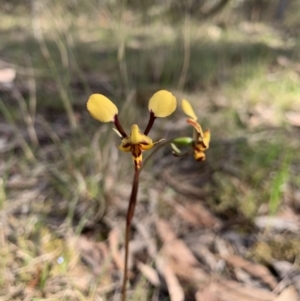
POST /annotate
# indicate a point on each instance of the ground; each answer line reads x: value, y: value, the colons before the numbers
x: 223, y: 229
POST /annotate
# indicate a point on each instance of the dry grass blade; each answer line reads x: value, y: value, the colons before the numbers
x: 254, y: 293
x: 289, y: 294
x: 24, y: 199
x: 208, y: 294
x: 293, y: 118
x: 7, y: 76
x: 20, y: 139
x: 175, y: 290
x: 93, y: 253
x: 149, y: 273
x: 179, y: 184
x: 278, y: 224
x: 180, y: 258
x: 206, y: 255
x: 225, y: 290
x: 256, y: 270
x: 195, y: 214
x: 151, y: 242
x: 288, y: 272
x: 113, y: 239
x: 165, y: 231
x: 173, y: 247
x: 28, y: 119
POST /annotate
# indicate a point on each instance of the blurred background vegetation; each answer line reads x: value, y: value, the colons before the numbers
x: 64, y: 187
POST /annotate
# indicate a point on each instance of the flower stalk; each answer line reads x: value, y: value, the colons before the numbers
x: 129, y: 217
x: 161, y: 104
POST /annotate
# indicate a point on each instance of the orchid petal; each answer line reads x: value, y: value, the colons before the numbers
x: 162, y: 103
x: 206, y: 138
x: 188, y: 109
x: 101, y: 108
x: 199, y: 156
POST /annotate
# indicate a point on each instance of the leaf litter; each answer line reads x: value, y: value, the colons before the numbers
x: 200, y: 252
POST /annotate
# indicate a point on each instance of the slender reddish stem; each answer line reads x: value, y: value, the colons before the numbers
x: 150, y: 123
x: 119, y: 127
x: 130, y: 213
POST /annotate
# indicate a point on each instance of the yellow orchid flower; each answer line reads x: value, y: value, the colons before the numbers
x: 161, y: 104
x: 136, y: 143
x: 200, y: 141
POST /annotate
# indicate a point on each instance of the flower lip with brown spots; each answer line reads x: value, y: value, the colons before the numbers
x: 136, y: 143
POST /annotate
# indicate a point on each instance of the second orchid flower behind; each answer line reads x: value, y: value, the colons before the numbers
x: 200, y: 140
x: 161, y: 104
